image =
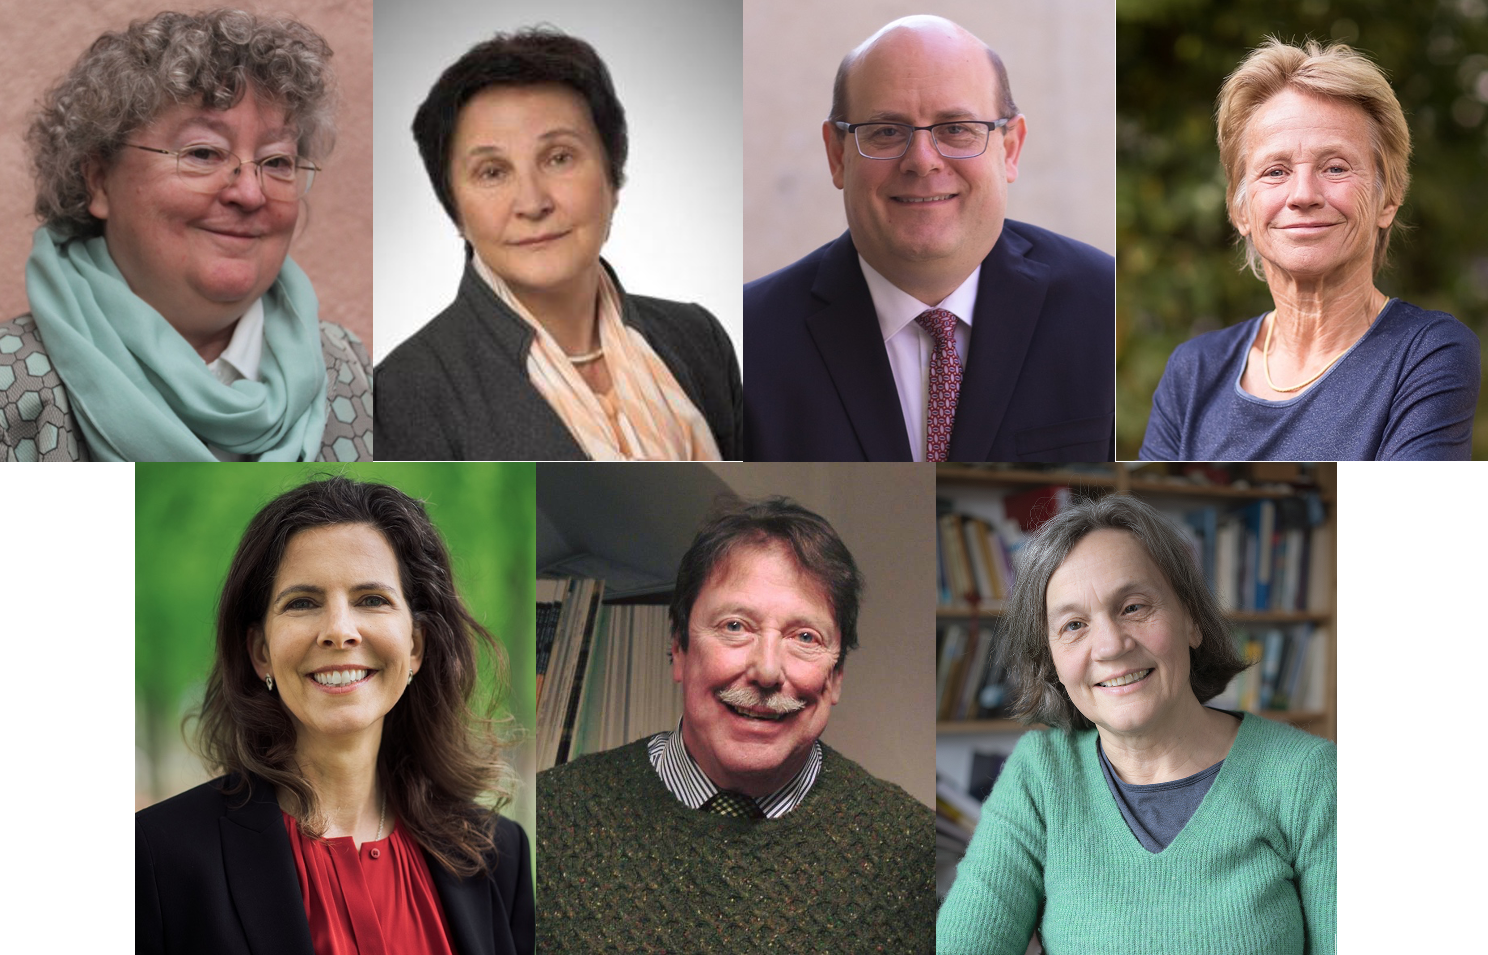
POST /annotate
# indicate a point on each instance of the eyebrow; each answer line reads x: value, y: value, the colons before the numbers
x: 1327, y: 149
x: 212, y: 123
x: 945, y: 115
x: 742, y: 610
x: 492, y: 149
x: 314, y: 591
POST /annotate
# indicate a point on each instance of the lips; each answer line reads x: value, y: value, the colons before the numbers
x: 925, y: 200
x: 1126, y: 679
x: 539, y: 239
x: 341, y: 679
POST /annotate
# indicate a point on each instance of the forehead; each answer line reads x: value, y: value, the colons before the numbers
x: 1103, y: 559
x: 339, y: 550
x: 923, y: 74
x: 1294, y: 120
x: 263, y: 119
x: 510, y: 115
x: 766, y: 573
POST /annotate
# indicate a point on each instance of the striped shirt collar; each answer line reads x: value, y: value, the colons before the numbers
x: 683, y: 779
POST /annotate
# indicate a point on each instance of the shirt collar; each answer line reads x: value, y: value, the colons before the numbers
x: 244, y: 353
x: 683, y: 778
x: 896, y: 308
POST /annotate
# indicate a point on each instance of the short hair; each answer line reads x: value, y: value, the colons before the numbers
x: 531, y: 57
x: 1336, y: 72
x: 1037, y: 695
x: 438, y: 755
x: 818, y: 551
x: 839, y: 87
x: 125, y: 80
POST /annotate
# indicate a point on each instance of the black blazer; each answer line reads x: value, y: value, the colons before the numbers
x: 1039, y: 382
x: 216, y: 876
x: 458, y: 389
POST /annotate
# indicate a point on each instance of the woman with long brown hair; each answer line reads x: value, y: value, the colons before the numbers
x: 339, y: 710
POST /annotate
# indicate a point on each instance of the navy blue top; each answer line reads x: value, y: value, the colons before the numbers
x: 1156, y: 812
x: 1406, y: 390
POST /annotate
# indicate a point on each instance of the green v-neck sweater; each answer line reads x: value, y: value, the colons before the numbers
x: 624, y: 867
x: 1254, y: 872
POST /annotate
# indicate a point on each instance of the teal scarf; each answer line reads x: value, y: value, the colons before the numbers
x: 142, y: 393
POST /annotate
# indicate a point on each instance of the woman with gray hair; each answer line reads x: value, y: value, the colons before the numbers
x: 1142, y: 821
x: 167, y: 322
x: 1315, y: 149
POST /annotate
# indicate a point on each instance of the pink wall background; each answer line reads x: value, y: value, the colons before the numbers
x: 41, y: 41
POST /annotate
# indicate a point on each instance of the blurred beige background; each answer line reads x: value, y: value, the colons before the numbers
x: 1061, y: 62
x: 41, y: 41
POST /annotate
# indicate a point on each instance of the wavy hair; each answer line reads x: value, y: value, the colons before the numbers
x: 438, y: 754
x: 1336, y: 72
x: 125, y: 80
x: 1037, y: 694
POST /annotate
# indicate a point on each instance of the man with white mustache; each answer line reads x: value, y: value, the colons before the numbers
x: 934, y: 328
x: 740, y: 831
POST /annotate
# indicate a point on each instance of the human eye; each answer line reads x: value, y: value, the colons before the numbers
x: 1070, y: 628
x: 203, y: 156
x: 560, y: 158
x: 299, y: 603
x: 281, y: 166
x: 808, y: 638
x: 885, y: 133
x: 734, y: 626
x: 376, y: 600
x: 489, y: 173
x: 1133, y: 607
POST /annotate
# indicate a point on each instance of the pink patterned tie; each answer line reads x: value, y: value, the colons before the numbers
x: 945, y: 381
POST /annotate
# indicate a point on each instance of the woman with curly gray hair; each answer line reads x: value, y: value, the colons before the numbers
x: 1143, y: 820
x: 167, y: 322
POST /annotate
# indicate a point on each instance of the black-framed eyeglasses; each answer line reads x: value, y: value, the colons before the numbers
x: 210, y: 169
x: 961, y: 139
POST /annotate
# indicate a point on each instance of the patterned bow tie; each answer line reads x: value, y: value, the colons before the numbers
x: 735, y: 805
x: 945, y: 381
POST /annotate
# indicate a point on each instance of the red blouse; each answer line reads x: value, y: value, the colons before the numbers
x: 377, y: 901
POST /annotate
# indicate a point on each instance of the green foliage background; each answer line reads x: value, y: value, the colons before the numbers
x: 1178, y: 269
x: 189, y: 518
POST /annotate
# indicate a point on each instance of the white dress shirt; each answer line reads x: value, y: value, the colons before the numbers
x: 910, y: 347
x: 239, y: 361
x: 683, y: 778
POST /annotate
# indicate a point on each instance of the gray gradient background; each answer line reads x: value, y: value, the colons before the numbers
x: 677, y: 68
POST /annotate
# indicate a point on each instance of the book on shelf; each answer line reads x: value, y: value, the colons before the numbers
x: 970, y: 682
x: 974, y: 557
x: 1256, y: 557
x: 1288, y: 671
x: 608, y: 680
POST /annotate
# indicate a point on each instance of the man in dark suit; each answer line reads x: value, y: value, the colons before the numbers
x: 934, y: 328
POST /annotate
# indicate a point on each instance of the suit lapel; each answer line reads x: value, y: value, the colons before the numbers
x: 845, y: 331
x: 261, y: 875
x: 467, y: 910
x: 1010, y: 296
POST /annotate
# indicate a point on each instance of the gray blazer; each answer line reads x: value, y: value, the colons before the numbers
x: 458, y: 389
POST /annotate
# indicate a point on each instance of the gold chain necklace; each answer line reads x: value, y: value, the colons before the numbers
x: 1266, y: 356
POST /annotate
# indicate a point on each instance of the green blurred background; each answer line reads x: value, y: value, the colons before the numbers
x: 1178, y: 268
x: 188, y: 520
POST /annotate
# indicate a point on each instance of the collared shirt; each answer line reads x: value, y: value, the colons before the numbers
x: 239, y: 361
x: 910, y: 347
x: 683, y: 779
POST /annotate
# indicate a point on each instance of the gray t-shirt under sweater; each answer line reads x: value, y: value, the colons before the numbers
x: 1157, y: 812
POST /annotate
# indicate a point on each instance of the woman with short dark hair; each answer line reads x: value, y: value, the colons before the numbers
x: 339, y: 708
x: 1143, y: 820
x: 543, y: 355
x: 167, y: 321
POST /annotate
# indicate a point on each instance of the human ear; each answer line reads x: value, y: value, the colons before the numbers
x: 1013, y: 135
x: 96, y: 177
x: 832, y: 690
x: 677, y: 659
x: 835, y: 141
x: 416, y: 658
x: 258, y: 652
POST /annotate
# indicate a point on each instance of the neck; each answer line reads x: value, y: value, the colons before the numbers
x: 929, y: 281
x: 1321, y: 316
x: 209, y: 345
x: 1189, y: 742
x: 569, y: 312
x: 344, y: 777
x: 755, y: 785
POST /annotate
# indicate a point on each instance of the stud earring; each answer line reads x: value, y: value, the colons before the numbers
x: 410, y: 678
x: 270, y: 681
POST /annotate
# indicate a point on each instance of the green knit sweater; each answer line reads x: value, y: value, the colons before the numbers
x: 624, y: 867
x: 1254, y: 871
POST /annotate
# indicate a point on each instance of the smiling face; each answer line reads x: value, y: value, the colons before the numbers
x: 1311, y: 202
x: 923, y: 220
x: 531, y: 183
x: 1119, y: 636
x: 338, y: 635
x: 762, y: 635
x: 199, y: 260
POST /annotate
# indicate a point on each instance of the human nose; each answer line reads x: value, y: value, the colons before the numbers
x: 245, y: 186
x: 533, y: 201
x: 765, y: 665
x: 921, y: 156
x: 1305, y: 191
x: 340, y: 630
x: 1109, y: 640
